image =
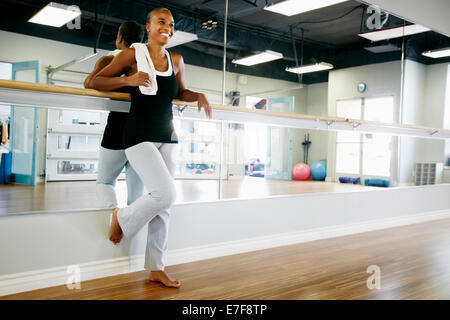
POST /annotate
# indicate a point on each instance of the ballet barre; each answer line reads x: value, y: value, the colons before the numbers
x: 40, y: 95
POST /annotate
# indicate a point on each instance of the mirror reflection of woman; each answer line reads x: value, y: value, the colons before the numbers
x: 149, y: 137
x: 112, y: 159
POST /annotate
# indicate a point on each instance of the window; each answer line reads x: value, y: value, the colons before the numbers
x: 363, y: 154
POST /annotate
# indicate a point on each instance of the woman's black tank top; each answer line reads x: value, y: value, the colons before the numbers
x: 113, y: 134
x: 150, y: 117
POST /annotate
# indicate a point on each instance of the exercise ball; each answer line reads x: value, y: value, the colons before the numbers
x: 319, y: 170
x: 301, y: 171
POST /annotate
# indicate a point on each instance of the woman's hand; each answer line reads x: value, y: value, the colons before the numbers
x: 139, y: 79
x: 202, y: 102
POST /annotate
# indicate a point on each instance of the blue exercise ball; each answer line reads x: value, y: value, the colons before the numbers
x: 319, y: 170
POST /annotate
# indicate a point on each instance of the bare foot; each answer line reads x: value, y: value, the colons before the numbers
x: 161, y: 276
x: 115, y: 232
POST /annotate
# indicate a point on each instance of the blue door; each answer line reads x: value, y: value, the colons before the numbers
x: 279, y: 142
x: 24, y: 129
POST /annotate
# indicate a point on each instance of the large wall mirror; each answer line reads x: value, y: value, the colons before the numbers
x: 375, y: 65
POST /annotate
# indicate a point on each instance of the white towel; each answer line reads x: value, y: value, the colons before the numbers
x: 145, y: 64
x: 114, y: 53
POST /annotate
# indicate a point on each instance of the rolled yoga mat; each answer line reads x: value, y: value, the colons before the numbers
x: 377, y: 183
x: 350, y: 180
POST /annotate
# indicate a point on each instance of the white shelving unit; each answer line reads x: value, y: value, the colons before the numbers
x: 427, y: 173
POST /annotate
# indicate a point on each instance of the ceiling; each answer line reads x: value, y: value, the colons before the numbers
x: 329, y: 34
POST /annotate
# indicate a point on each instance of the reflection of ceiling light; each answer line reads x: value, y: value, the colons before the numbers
x: 311, y: 68
x: 439, y: 53
x: 387, y: 47
x: 293, y: 7
x: 262, y: 57
x: 394, y: 32
x: 55, y: 15
x: 181, y: 37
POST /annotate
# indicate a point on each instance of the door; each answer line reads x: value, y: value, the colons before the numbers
x: 279, y: 142
x: 24, y: 129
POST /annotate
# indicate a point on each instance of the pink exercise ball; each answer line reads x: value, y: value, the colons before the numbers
x: 301, y: 171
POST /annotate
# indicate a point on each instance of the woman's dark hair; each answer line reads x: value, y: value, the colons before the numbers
x: 131, y: 32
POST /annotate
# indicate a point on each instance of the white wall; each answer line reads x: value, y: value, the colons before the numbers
x: 317, y: 99
x: 413, y: 101
x: 447, y: 115
x: 425, y: 99
x: 435, y: 91
x: 317, y: 104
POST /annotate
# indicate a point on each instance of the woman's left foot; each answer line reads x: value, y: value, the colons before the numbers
x: 115, y: 232
x: 161, y: 276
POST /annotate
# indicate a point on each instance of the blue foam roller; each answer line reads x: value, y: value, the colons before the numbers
x: 377, y: 183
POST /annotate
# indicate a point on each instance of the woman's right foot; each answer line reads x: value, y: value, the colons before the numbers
x: 115, y: 232
x: 161, y: 276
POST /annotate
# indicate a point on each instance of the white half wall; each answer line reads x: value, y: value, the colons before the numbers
x: 42, y: 241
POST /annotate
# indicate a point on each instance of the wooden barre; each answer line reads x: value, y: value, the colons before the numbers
x: 50, y: 88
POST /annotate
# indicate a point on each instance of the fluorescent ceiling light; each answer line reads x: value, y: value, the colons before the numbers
x: 440, y: 53
x: 394, y: 32
x: 181, y: 37
x: 293, y: 7
x: 311, y: 68
x: 55, y: 15
x: 259, y: 58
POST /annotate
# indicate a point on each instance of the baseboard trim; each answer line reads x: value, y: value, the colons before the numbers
x: 33, y: 280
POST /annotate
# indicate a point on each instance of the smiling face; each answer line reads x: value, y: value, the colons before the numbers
x: 160, y: 27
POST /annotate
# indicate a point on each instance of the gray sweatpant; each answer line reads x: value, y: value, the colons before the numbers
x: 110, y: 165
x: 155, y: 166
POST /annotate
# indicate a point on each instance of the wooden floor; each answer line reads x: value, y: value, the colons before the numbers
x: 69, y: 195
x: 414, y: 262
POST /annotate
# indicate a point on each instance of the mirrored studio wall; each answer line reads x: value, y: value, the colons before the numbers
x: 389, y: 81
x: 253, y: 160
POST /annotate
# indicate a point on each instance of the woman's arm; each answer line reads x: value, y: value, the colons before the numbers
x: 101, y: 63
x: 185, y: 94
x: 109, y: 78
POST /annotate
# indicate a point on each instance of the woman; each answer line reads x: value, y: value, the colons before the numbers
x: 149, y: 137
